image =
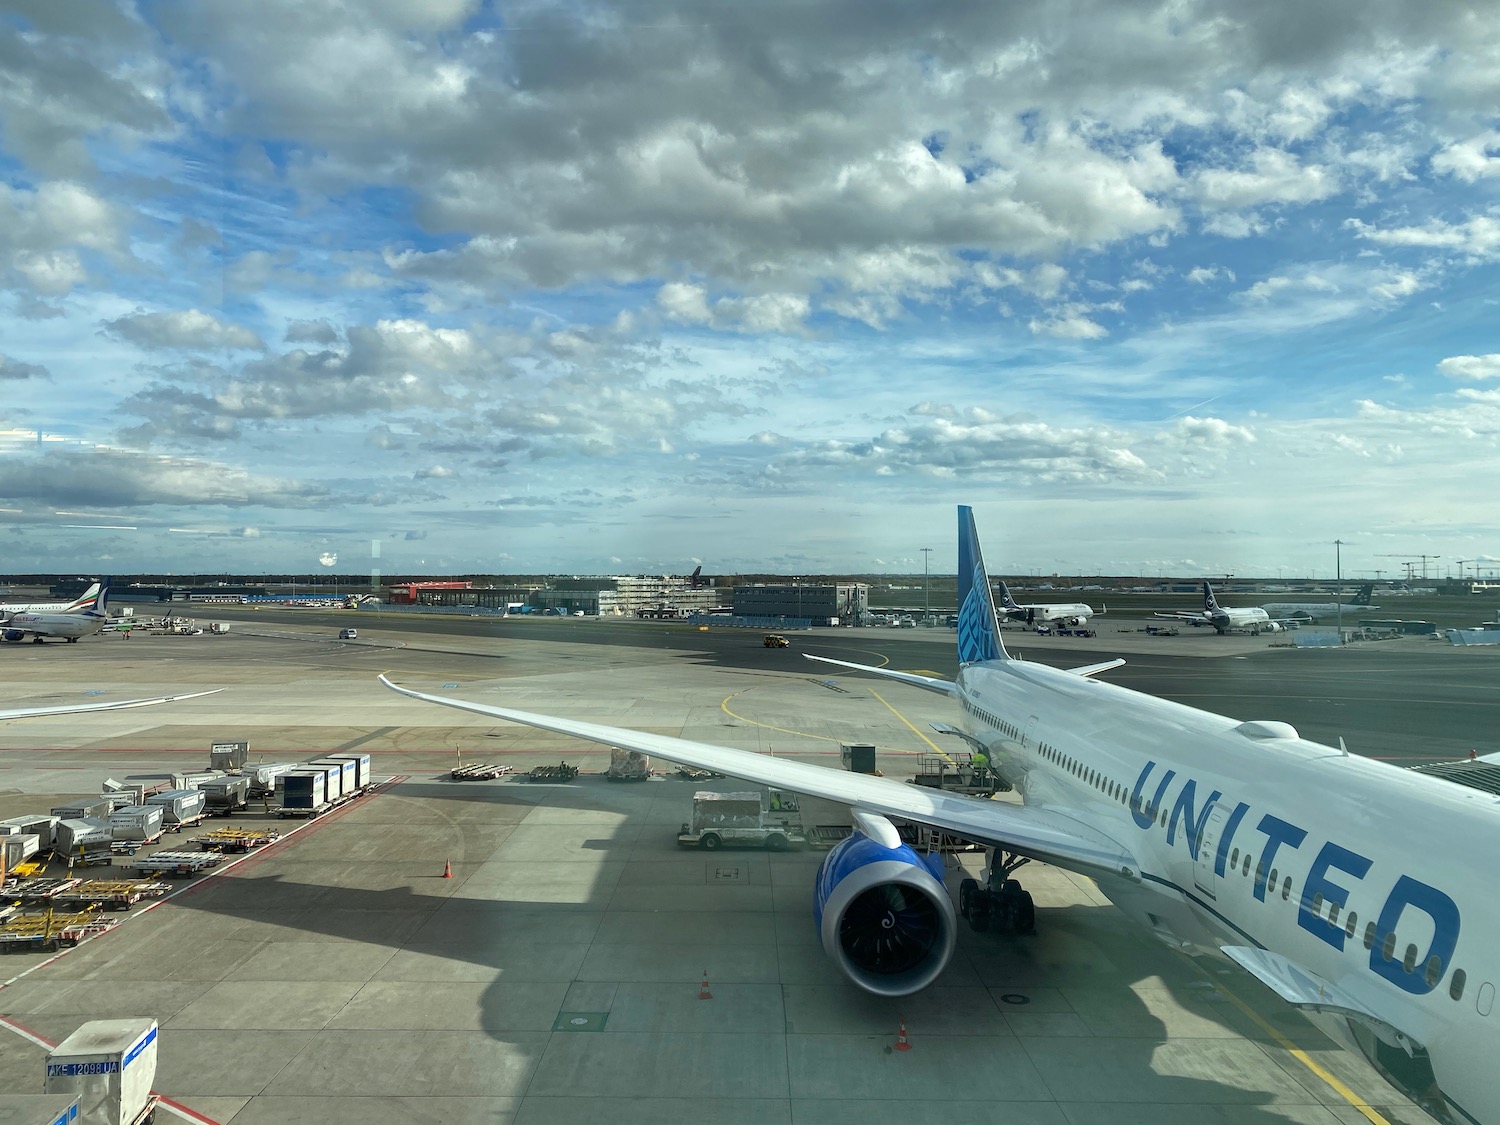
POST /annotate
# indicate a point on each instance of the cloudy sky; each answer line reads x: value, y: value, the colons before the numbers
x: 1179, y: 287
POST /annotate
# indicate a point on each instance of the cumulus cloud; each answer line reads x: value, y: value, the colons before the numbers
x: 1472, y: 159
x: 1471, y: 366
x: 44, y: 233
x: 185, y: 330
x: 312, y: 332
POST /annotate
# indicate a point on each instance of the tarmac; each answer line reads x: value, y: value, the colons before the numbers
x: 337, y: 976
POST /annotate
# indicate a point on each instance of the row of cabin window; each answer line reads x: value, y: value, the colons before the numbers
x: 1434, y: 968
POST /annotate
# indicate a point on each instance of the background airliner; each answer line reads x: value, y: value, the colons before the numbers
x: 1064, y: 613
x: 1313, y: 611
x: 1359, y: 892
x: 10, y: 609
x: 83, y: 618
x: 1223, y: 618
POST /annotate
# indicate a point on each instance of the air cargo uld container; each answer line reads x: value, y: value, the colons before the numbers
x: 348, y: 773
x: 156, y: 782
x: 38, y: 1109
x: 138, y: 822
x: 361, y: 767
x: 43, y: 825
x: 18, y: 849
x: 75, y: 835
x: 333, y: 777
x: 303, y: 790
x: 82, y: 810
x: 192, y: 779
x: 263, y: 776
x: 110, y: 1066
x: 179, y: 806
x: 122, y: 796
x: 225, y: 794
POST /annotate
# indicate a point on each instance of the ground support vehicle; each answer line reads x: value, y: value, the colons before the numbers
x: 36, y: 890
x: 479, y: 771
x: 130, y: 847
x: 286, y: 812
x: 1079, y: 631
x: 237, y: 840
x: 108, y: 894
x: 560, y: 772
x: 179, y: 865
x: 628, y: 765
x: 29, y: 933
x: 774, y: 640
x: 1162, y: 630
x: 688, y: 773
x: 956, y: 773
x: 756, y: 819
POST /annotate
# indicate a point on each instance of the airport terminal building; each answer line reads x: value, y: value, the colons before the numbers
x: 823, y: 604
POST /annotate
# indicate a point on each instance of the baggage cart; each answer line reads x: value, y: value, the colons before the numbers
x: 177, y: 865
x: 479, y: 771
x: 561, y: 772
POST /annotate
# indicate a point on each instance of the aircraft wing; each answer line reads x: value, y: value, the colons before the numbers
x: 930, y: 683
x: 1044, y: 834
x: 117, y: 705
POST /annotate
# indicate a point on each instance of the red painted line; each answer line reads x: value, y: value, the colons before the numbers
x: 26, y: 1033
x: 183, y: 1111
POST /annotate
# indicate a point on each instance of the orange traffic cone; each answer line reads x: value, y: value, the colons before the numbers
x: 703, y: 992
x: 447, y: 870
x: 901, y: 1043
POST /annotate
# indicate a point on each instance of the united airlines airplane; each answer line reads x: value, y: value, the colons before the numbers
x: 1359, y: 892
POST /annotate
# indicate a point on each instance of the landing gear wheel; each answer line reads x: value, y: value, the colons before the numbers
x: 979, y: 913
x: 711, y: 842
x: 1018, y: 908
x: 966, y: 889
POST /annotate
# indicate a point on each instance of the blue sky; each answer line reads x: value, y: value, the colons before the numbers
x: 1158, y: 288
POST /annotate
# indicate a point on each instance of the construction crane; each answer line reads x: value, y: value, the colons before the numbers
x: 1411, y: 562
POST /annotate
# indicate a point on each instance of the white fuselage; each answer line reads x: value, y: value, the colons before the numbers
x: 1212, y: 808
x: 70, y: 625
x: 1075, y: 612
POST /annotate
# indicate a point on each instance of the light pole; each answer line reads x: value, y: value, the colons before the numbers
x: 926, y: 586
x: 1338, y: 583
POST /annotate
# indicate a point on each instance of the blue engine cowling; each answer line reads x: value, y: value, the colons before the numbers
x: 884, y: 916
x: 13, y: 635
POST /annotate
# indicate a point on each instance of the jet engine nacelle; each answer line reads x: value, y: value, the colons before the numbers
x: 13, y: 635
x: 884, y: 916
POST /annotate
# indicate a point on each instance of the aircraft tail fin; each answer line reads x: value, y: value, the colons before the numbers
x: 1366, y: 594
x: 1210, y: 603
x: 1007, y: 602
x: 978, y: 635
x: 84, y: 600
x: 101, y: 603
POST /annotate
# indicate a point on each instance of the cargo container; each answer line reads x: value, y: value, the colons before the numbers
x: 38, y: 1109
x: 303, y: 791
x: 43, y: 825
x: 348, y: 772
x: 228, y: 755
x: 83, y: 810
x: 110, y: 1066
x: 122, y: 796
x: 263, y: 776
x: 138, y: 822
x: 191, y: 779
x: 226, y: 794
x: 333, y: 777
x: 771, y: 820
x: 18, y: 849
x: 362, y: 776
x: 179, y: 806
x: 156, y: 782
x: 81, y: 834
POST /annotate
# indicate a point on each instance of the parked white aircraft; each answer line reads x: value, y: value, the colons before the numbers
x: 89, y: 616
x: 84, y: 600
x: 117, y: 705
x: 1359, y: 892
x: 1063, y: 613
x: 1223, y: 619
x: 1313, y: 611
